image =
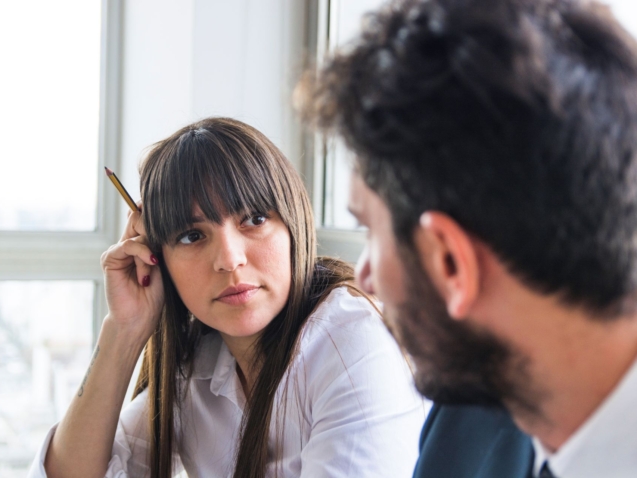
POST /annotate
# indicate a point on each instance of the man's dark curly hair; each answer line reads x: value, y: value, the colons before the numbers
x: 518, y: 118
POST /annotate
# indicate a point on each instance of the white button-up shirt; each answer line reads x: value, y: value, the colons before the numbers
x: 605, y: 445
x: 347, y: 406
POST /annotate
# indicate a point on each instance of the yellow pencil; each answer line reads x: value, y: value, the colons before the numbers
x: 129, y: 200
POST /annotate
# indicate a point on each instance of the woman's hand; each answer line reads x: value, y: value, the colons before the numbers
x: 134, y: 289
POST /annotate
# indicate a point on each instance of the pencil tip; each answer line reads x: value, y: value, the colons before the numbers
x: 108, y: 171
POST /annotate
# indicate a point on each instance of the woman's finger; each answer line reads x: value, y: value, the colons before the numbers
x: 138, y: 226
x: 127, y: 249
x: 143, y: 271
x: 130, y: 211
x: 129, y: 230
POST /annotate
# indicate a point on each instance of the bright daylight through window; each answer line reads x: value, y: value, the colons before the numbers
x: 45, y: 346
x: 49, y: 131
x: 344, y: 24
x: 49, y: 119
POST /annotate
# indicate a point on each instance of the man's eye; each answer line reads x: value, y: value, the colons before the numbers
x: 189, y: 237
x: 255, y: 220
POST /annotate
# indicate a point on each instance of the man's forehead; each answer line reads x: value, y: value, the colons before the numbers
x: 362, y: 198
x: 358, y: 192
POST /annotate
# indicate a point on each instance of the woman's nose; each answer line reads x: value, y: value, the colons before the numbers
x: 364, y: 272
x: 230, y: 251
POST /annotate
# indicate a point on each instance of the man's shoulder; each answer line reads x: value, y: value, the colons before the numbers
x: 473, y: 442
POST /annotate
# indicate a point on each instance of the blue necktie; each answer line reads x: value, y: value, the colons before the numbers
x: 545, y: 472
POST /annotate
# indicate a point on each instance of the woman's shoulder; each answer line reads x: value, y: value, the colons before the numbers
x: 344, y: 305
x: 346, y: 347
x: 345, y: 327
x: 343, y: 308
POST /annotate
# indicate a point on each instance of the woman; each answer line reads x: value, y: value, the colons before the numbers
x: 260, y: 359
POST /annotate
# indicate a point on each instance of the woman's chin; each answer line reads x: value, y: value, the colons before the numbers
x: 239, y: 327
x: 239, y: 321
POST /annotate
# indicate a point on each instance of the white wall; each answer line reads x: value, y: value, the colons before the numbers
x: 187, y: 59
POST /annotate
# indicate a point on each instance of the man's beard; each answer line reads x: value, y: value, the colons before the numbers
x: 456, y: 363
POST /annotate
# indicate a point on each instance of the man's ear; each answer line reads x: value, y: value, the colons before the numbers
x: 448, y: 255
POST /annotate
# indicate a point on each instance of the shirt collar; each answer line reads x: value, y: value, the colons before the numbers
x: 214, y: 362
x: 605, y: 445
x: 541, y: 455
x: 206, y: 356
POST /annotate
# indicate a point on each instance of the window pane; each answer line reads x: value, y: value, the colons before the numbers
x: 338, y: 166
x: 626, y: 13
x: 49, y: 114
x: 349, y: 14
x: 45, y: 348
x: 349, y: 17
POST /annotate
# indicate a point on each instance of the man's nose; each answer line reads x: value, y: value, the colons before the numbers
x: 230, y: 252
x: 364, y: 272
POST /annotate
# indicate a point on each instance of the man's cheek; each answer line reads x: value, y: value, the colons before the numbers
x: 389, y: 319
x: 393, y: 282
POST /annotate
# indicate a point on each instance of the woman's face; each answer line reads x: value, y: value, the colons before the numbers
x: 234, y: 277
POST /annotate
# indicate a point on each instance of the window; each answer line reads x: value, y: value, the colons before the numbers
x: 58, y: 121
x: 45, y: 346
x: 626, y: 13
x: 338, y: 22
x: 50, y: 115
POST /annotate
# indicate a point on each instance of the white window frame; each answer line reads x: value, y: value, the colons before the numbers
x: 343, y: 243
x: 31, y: 255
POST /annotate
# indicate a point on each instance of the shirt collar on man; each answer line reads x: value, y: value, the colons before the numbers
x: 605, y: 445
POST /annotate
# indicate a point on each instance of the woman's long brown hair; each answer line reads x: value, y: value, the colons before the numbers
x: 227, y: 168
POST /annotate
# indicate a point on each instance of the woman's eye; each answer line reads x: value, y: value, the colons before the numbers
x: 255, y: 220
x: 190, y: 237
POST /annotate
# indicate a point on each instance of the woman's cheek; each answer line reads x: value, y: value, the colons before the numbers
x: 276, y: 261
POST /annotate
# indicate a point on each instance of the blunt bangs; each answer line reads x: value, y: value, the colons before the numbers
x: 217, y: 170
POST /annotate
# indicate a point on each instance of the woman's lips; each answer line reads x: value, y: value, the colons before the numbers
x: 238, y: 298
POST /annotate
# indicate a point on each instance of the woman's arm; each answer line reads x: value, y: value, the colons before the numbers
x: 83, y: 441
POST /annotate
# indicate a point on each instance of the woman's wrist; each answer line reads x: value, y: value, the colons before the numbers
x: 128, y: 339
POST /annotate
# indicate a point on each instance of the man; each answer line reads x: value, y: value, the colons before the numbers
x: 497, y: 177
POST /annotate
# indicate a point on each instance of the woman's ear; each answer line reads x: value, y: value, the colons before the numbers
x: 448, y: 255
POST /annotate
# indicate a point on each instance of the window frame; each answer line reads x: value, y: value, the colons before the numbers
x: 68, y: 255
x: 346, y: 244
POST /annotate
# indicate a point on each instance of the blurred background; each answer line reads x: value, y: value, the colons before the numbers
x: 90, y: 83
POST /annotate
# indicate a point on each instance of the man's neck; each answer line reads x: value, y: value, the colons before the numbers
x: 573, y: 360
x: 576, y: 368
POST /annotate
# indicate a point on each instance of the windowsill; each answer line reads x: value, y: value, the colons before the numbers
x: 341, y: 243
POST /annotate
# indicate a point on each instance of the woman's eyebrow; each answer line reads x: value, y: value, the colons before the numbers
x: 197, y: 219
